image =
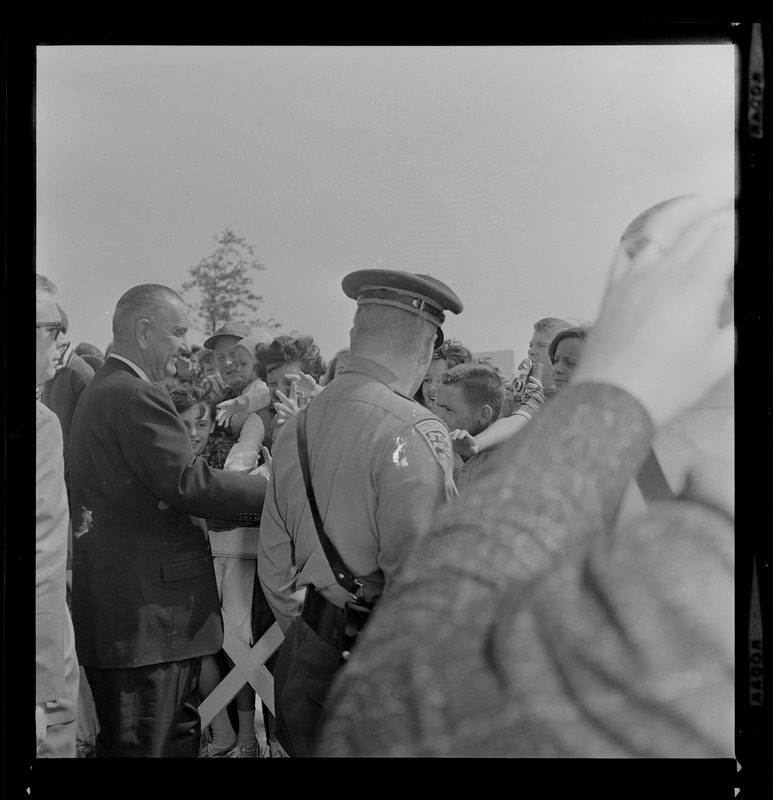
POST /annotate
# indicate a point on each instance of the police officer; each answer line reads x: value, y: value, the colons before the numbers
x: 379, y: 466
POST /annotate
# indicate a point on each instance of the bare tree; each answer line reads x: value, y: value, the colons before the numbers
x: 223, y: 282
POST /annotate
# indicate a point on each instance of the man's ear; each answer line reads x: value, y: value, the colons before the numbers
x: 486, y: 415
x: 142, y: 333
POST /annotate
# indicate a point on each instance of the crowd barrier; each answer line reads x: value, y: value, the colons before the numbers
x: 249, y: 667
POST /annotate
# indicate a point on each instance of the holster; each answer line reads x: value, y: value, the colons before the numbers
x: 337, y: 626
x: 370, y: 587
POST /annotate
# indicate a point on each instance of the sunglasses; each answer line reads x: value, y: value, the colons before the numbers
x: 57, y: 327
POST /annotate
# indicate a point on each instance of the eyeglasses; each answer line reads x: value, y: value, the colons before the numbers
x: 57, y: 327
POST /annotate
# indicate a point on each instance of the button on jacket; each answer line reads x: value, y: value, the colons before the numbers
x: 381, y: 464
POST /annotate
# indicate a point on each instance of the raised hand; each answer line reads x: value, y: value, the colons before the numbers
x: 658, y: 335
x: 265, y: 468
x: 463, y: 443
x: 306, y: 384
x: 228, y: 409
x: 287, y: 405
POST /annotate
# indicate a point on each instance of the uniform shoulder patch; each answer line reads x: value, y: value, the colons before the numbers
x: 435, y: 433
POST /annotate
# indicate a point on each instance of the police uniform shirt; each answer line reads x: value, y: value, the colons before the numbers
x: 380, y: 463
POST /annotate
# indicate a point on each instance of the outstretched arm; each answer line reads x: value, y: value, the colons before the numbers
x: 496, y: 434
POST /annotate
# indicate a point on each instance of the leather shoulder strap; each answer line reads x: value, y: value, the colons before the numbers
x: 342, y: 573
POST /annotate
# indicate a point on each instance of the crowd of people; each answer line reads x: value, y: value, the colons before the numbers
x: 461, y: 562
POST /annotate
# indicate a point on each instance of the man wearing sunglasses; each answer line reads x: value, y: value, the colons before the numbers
x: 48, y: 344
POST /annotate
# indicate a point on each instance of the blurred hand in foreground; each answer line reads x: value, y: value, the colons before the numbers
x: 658, y: 335
x: 40, y: 726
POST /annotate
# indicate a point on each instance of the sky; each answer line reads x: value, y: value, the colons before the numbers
x: 508, y: 172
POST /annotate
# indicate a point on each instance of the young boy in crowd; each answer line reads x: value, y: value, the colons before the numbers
x: 469, y: 399
x: 520, y: 410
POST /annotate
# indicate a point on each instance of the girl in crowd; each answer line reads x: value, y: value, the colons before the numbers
x: 451, y: 353
x: 336, y: 365
x: 288, y: 404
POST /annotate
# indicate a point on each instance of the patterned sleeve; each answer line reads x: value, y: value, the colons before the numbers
x: 530, y: 405
x: 546, y: 494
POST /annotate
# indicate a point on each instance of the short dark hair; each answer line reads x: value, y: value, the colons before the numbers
x: 187, y: 395
x: 84, y: 348
x: 578, y: 332
x: 286, y: 349
x: 454, y: 352
x: 481, y: 385
x: 399, y: 330
x: 95, y: 362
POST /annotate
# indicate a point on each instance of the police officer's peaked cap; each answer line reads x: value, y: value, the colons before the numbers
x: 420, y: 294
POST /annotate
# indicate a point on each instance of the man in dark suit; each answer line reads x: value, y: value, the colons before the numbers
x: 145, y: 601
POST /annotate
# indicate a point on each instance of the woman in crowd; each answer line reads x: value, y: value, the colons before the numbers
x: 286, y: 360
x: 565, y: 352
x: 336, y: 365
x: 288, y: 404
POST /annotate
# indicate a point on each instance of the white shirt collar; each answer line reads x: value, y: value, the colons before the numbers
x: 141, y: 372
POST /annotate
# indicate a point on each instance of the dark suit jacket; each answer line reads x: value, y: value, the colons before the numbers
x: 61, y: 395
x: 144, y: 588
